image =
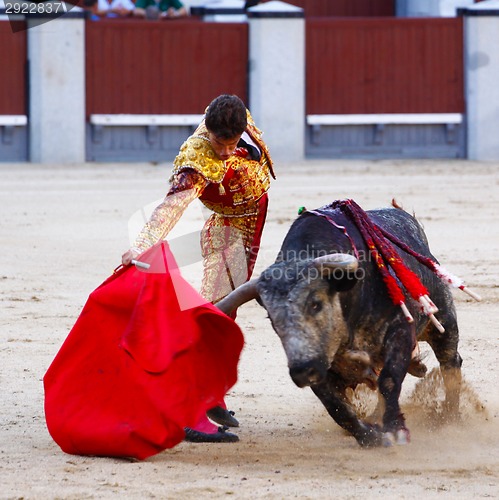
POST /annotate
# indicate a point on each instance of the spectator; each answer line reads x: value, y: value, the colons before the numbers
x: 115, y: 8
x: 90, y: 6
x: 160, y: 9
x: 109, y: 8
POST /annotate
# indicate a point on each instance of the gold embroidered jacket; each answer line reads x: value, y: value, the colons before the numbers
x: 230, y: 188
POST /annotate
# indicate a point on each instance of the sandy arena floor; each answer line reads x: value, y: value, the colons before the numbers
x: 62, y: 232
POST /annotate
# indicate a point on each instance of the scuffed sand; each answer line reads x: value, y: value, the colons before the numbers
x: 63, y: 230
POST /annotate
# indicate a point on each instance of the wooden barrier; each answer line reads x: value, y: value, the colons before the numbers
x: 13, y: 95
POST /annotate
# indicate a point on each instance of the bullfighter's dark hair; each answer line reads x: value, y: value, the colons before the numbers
x: 226, y: 116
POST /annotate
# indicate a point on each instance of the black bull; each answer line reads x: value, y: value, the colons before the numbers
x: 340, y: 328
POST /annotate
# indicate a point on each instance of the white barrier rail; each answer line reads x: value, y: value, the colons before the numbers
x: 13, y: 120
x: 386, y: 119
x: 128, y: 120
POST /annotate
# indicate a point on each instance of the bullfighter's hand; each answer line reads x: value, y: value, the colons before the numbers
x: 128, y: 256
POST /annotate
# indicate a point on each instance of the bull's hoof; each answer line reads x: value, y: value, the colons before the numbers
x: 398, y: 437
x: 373, y: 437
x: 221, y: 436
x: 417, y: 368
x: 370, y: 437
x: 222, y: 416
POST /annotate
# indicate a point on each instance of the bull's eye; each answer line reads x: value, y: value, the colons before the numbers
x: 315, y: 306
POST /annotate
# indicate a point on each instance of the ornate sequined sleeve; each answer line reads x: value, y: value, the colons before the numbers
x: 185, y: 187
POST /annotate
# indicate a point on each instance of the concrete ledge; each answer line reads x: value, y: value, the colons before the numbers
x: 489, y: 8
x: 386, y: 119
x: 146, y: 120
x: 13, y: 120
x: 477, y: 13
x: 275, y: 9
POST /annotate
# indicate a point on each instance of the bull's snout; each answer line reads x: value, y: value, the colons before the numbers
x: 308, y: 373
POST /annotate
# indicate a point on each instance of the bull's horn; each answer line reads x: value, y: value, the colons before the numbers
x: 337, y: 261
x: 238, y: 297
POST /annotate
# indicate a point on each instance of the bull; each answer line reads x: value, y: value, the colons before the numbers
x: 338, y: 326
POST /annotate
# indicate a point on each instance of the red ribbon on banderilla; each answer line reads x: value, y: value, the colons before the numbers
x: 381, y: 247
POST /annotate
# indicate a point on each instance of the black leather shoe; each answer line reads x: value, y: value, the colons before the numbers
x: 222, y: 416
x: 221, y: 436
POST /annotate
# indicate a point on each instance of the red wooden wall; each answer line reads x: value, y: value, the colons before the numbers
x: 161, y: 67
x: 364, y: 8
x: 384, y: 66
x: 376, y: 65
x: 12, y: 71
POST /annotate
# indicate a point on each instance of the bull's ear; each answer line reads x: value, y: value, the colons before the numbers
x: 339, y: 269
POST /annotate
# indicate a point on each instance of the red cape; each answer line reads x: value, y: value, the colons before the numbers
x: 138, y: 366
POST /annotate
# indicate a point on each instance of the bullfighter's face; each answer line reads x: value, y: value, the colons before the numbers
x: 224, y: 148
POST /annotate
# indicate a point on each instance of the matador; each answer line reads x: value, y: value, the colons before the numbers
x: 227, y: 166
